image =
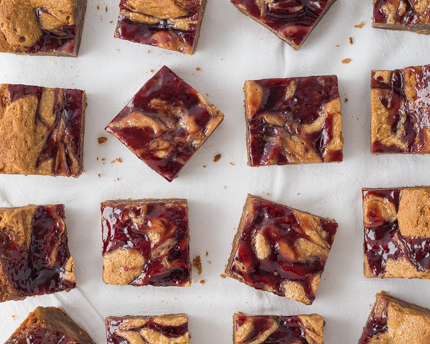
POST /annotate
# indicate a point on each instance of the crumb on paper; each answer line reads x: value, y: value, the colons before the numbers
x: 346, y: 100
x: 99, y: 175
x: 267, y: 193
x: 298, y: 193
x: 210, y: 262
x: 106, y: 9
x: 217, y: 157
x: 152, y: 71
x: 98, y: 7
x: 117, y: 179
x: 346, y: 60
x: 351, y: 41
x: 149, y: 51
x: 97, y: 158
x: 232, y: 164
x: 360, y: 25
x: 204, y: 166
x: 111, y: 22
x: 225, y: 186
x: 202, y: 282
x: 337, y: 46
x: 198, y: 69
x: 116, y: 160
x: 207, y: 253
x: 102, y: 139
x: 207, y: 94
x: 223, y: 276
x: 197, y: 263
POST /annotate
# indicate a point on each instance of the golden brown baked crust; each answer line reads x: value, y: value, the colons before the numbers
x: 50, y: 324
x: 26, y: 26
x: 394, y: 321
x: 41, y: 132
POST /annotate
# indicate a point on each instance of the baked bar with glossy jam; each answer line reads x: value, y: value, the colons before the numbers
x: 49, y: 325
x: 280, y: 249
x: 41, y: 130
x: 293, y: 121
x: 168, y: 24
x: 395, y: 321
x: 291, y: 20
x: 41, y: 27
x: 146, y: 242
x: 165, y: 123
x: 400, y: 117
x: 169, y: 329
x: 396, y: 232
x: 34, y: 254
x: 271, y: 329
x: 402, y: 15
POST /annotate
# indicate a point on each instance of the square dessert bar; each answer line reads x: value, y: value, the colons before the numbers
x: 280, y: 249
x: 146, y: 242
x: 396, y: 232
x: 49, y: 325
x: 396, y: 322
x: 268, y: 329
x: 165, y: 123
x: 34, y: 256
x: 294, y: 120
x: 41, y: 130
x: 171, y: 328
x: 402, y: 15
x: 41, y: 27
x: 168, y: 24
x: 400, y: 117
x: 291, y: 20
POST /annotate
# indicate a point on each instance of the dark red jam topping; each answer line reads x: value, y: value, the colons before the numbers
x: 383, y: 240
x: 39, y: 335
x: 120, y: 230
x: 397, y: 104
x: 168, y: 90
x: 293, y: 19
x: 32, y: 270
x: 376, y: 325
x: 163, y: 31
x: 290, y: 330
x: 280, y: 225
x: 408, y: 17
x: 302, y: 108
x: 63, y: 142
x: 113, y: 324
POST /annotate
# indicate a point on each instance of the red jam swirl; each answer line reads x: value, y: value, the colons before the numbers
x: 290, y: 329
x: 121, y: 230
x: 270, y: 273
x: 293, y: 19
x: 165, y: 87
x: 408, y: 17
x: 63, y: 142
x: 113, y: 324
x: 383, y: 240
x: 376, y: 325
x: 31, y: 271
x: 39, y: 335
x: 302, y: 108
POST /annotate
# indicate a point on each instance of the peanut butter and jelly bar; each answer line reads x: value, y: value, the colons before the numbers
x: 400, y: 117
x: 293, y: 121
x: 280, y: 249
x: 271, y: 329
x: 34, y: 255
x: 41, y: 27
x: 171, y: 328
x: 49, y: 325
x: 41, y: 130
x: 165, y: 123
x: 168, y: 24
x: 146, y: 242
x: 395, y: 321
x: 396, y: 232
x: 402, y: 15
x: 291, y: 20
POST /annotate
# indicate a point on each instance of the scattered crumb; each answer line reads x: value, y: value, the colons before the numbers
x: 198, y: 69
x: 102, y: 139
x: 359, y: 25
x: 346, y: 60
x: 13, y: 316
x: 204, y: 166
x: 152, y: 71
x: 97, y: 158
x: 223, y: 276
x: 111, y: 22
x: 118, y: 49
x: 207, y: 253
x: 231, y: 164
x: 346, y: 100
x: 149, y: 51
x: 337, y: 46
x: 117, y: 179
x: 217, y: 157
x: 225, y: 186
x: 298, y: 193
x: 98, y: 7
x: 202, y: 282
x: 106, y: 8
x: 209, y: 262
x: 197, y: 263
x: 103, y: 159
x: 207, y: 94
x: 268, y: 194
x: 99, y: 175
x: 116, y: 160
x: 351, y: 41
